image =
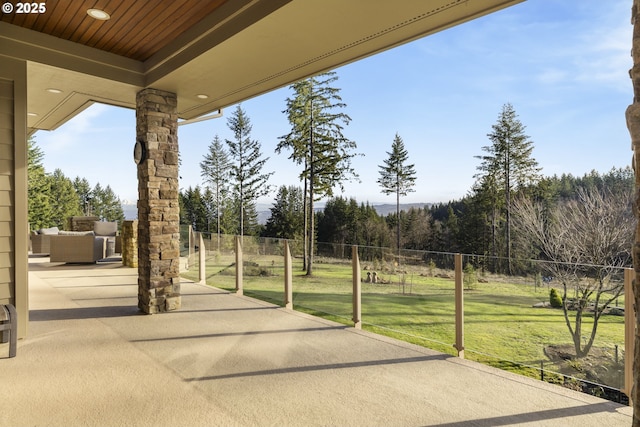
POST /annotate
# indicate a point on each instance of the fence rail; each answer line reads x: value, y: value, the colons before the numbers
x: 265, y: 268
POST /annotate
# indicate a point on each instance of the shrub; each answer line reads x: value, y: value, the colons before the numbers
x: 554, y: 298
x: 431, y: 265
x: 469, y: 277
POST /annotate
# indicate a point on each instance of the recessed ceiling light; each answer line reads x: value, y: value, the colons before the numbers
x: 32, y: 114
x: 53, y: 90
x: 98, y: 14
x: 202, y: 96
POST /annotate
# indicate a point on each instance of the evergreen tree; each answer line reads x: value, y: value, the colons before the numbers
x: 316, y: 142
x: 111, y: 206
x: 39, y: 188
x: 508, y: 164
x: 417, y: 228
x: 64, y: 200
x: 105, y: 204
x: 83, y: 189
x: 375, y: 232
x: 287, y: 214
x: 333, y: 224
x: 397, y: 177
x: 195, y: 212
x: 250, y: 182
x: 215, y: 170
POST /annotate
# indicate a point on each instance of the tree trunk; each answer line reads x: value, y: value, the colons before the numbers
x: 633, y: 123
x: 305, y: 209
x: 311, y: 233
x: 508, y: 224
x: 398, y: 225
x: 311, y: 192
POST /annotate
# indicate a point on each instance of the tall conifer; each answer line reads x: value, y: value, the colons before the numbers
x: 397, y: 177
x: 316, y: 142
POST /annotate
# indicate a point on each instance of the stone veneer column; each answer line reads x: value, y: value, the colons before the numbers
x: 129, y: 236
x: 158, y: 210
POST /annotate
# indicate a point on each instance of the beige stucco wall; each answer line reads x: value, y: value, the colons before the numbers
x: 13, y: 189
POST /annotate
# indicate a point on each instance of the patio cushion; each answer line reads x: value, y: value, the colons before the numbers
x: 105, y: 228
x: 51, y: 230
x: 75, y: 233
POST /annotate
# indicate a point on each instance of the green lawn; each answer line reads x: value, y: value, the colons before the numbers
x: 501, y: 326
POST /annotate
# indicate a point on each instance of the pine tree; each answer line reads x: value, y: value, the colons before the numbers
x: 111, y: 206
x: 194, y: 209
x: 287, y: 214
x: 509, y: 164
x: 39, y: 188
x: 250, y: 182
x: 397, y: 177
x: 316, y: 142
x: 83, y: 189
x: 216, y: 173
x: 64, y: 200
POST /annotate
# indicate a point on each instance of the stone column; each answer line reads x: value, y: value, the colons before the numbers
x: 158, y: 210
x: 129, y: 235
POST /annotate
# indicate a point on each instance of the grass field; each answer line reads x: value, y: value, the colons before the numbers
x: 501, y: 326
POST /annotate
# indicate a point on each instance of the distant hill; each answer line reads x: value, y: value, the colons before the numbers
x: 264, y: 209
x: 130, y: 211
x: 382, y: 209
x: 387, y: 208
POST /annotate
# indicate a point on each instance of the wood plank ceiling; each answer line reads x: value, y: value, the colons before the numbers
x: 137, y: 30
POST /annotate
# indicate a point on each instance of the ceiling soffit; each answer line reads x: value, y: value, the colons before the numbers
x: 237, y: 50
x: 284, y: 47
x: 148, y: 25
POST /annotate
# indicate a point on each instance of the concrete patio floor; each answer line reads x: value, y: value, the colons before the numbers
x: 91, y: 359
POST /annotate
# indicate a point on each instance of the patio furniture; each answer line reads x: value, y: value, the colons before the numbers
x: 40, y: 240
x: 77, y: 248
x: 9, y: 327
x: 109, y: 230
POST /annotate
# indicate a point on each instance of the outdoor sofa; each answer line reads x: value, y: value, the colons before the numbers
x: 78, y: 246
x: 40, y: 240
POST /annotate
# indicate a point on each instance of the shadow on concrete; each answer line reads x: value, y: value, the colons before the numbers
x: 532, y: 417
x: 83, y: 313
x: 314, y: 368
x: 247, y: 333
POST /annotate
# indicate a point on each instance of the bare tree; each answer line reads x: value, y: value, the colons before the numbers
x: 633, y: 124
x: 586, y: 241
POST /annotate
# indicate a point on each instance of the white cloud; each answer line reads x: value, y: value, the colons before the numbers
x: 604, y: 55
x: 73, y: 134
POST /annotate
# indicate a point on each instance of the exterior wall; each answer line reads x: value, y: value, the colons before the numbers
x: 13, y: 190
x: 7, y: 282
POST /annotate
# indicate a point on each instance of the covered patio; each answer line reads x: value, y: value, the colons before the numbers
x: 174, y: 61
x: 92, y: 359
x: 87, y: 356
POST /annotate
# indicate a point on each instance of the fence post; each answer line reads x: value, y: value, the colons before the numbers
x: 459, y: 295
x: 191, y: 255
x: 202, y: 271
x: 288, y: 277
x: 629, y: 332
x: 239, y: 266
x: 357, y: 288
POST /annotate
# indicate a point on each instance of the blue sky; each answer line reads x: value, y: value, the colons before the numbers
x: 562, y: 64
